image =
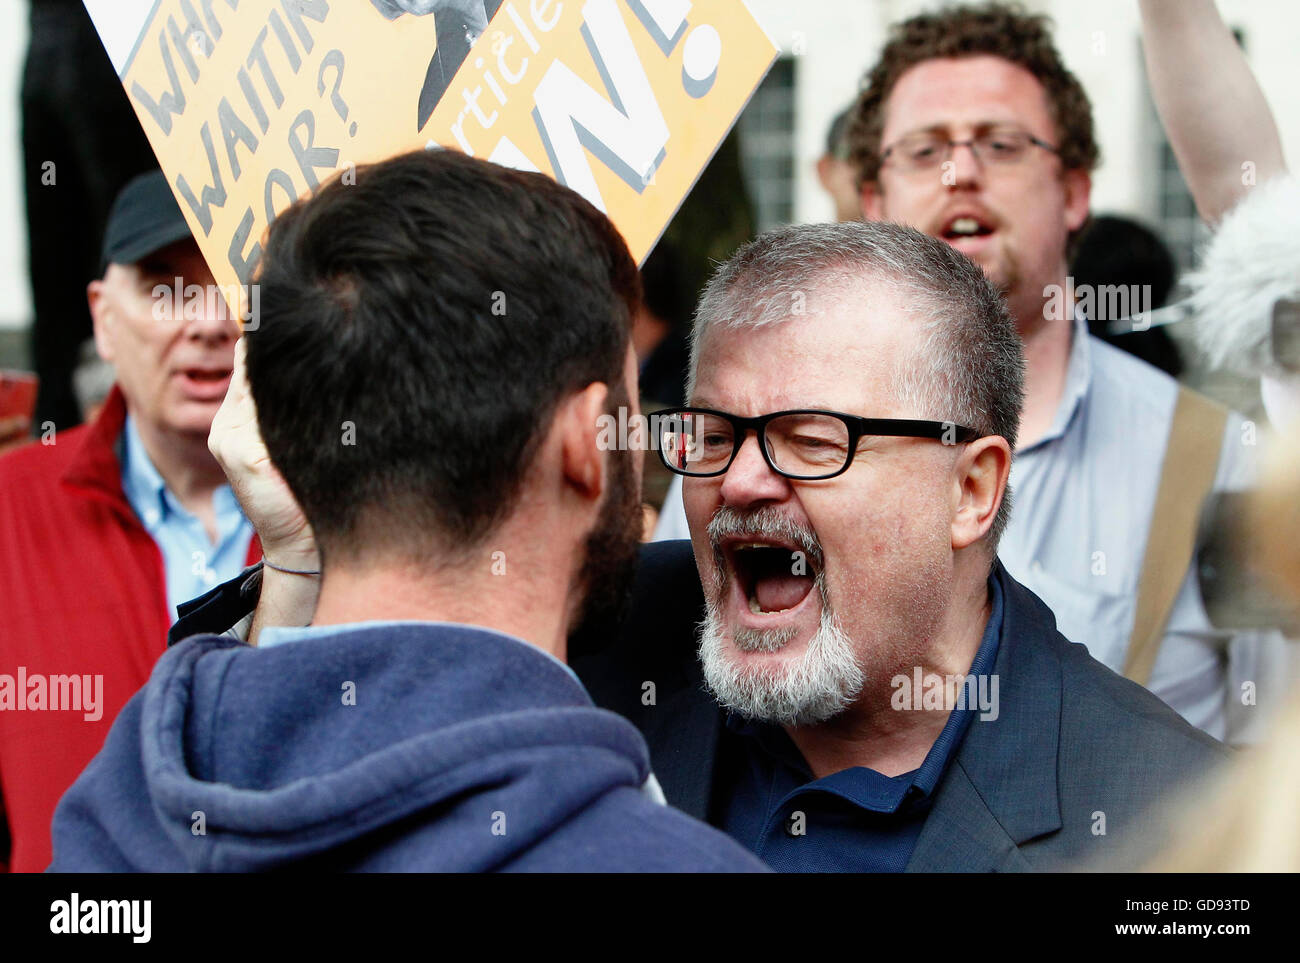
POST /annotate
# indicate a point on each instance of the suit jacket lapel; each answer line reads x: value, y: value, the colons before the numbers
x: 962, y: 835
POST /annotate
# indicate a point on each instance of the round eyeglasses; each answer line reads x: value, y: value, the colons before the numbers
x: 928, y: 149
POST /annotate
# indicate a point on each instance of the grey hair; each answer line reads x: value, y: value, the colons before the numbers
x: 974, y: 367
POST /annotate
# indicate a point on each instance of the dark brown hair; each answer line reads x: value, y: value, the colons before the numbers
x: 991, y: 29
x: 440, y: 308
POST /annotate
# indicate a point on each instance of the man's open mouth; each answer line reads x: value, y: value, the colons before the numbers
x: 206, y: 384
x: 966, y: 225
x: 207, y: 375
x: 773, y: 577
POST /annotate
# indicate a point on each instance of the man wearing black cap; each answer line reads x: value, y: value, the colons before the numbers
x: 106, y: 527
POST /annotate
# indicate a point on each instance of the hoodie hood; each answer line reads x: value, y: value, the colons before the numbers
x: 422, y: 746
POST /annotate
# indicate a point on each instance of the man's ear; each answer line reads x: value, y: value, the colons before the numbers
x: 872, y: 200
x: 578, y: 426
x: 1078, y: 197
x: 101, y: 318
x: 979, y: 484
x: 828, y: 173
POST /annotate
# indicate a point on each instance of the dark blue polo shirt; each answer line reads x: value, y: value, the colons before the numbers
x: 855, y: 820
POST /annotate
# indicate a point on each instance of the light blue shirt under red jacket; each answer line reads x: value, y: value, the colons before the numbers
x: 193, y: 562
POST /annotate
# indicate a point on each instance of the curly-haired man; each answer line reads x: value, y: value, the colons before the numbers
x: 970, y: 128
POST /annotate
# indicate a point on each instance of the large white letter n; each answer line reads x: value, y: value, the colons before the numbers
x: 627, y: 132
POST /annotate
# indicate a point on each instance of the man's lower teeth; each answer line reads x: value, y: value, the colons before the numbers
x: 759, y: 610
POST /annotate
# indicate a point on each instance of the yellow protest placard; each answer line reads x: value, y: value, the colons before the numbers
x: 250, y: 104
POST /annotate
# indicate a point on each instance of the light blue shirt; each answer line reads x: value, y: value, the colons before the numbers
x: 192, y: 562
x: 1084, y: 494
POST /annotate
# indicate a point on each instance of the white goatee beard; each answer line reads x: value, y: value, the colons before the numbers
x: 816, y: 687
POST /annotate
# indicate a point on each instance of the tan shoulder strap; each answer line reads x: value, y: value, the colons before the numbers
x: 1186, y: 478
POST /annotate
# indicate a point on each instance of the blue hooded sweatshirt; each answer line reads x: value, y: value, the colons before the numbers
x: 401, y: 747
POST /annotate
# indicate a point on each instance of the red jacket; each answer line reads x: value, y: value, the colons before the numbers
x: 82, y: 592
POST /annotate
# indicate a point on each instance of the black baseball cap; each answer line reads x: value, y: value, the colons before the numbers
x: 144, y: 218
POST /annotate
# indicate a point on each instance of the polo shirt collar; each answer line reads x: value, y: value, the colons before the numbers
x: 871, y: 790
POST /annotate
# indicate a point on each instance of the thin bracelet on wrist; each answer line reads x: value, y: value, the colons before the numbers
x: 289, y: 571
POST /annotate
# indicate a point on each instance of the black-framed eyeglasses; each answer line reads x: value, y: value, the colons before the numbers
x: 806, y: 444
x: 928, y: 149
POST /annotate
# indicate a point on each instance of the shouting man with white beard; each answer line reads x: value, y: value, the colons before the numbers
x: 854, y: 399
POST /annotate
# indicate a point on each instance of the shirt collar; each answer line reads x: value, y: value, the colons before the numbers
x: 1078, y: 381
x: 274, y: 635
x: 147, y: 492
x: 143, y: 485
